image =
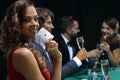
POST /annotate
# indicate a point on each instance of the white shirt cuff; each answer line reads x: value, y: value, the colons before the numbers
x: 77, y: 61
x: 87, y: 60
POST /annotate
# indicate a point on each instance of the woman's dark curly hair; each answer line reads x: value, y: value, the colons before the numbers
x: 10, y: 27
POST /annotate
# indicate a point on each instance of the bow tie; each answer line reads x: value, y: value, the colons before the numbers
x: 70, y: 43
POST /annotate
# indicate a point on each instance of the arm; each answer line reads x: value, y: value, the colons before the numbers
x: 72, y: 66
x: 93, y: 53
x: 69, y: 68
x: 114, y: 56
x: 52, y: 49
x: 25, y: 63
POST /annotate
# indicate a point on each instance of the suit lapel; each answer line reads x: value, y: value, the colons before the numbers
x: 65, y: 49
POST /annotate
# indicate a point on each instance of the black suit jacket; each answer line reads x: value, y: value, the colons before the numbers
x: 68, y: 66
x: 64, y: 49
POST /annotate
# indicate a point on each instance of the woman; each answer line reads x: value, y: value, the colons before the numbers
x: 109, y: 31
x: 24, y: 62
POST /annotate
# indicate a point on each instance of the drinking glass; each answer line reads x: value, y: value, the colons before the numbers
x: 105, y: 67
x: 80, y: 42
x: 98, y: 46
x: 96, y: 58
x: 117, y: 68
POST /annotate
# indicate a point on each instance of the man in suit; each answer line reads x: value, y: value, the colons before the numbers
x: 73, y: 59
x: 45, y: 20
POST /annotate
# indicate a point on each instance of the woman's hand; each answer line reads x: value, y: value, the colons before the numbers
x: 52, y: 49
x: 105, y: 46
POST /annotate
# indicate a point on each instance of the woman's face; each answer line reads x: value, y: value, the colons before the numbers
x: 48, y: 24
x: 30, y: 23
x: 106, y: 30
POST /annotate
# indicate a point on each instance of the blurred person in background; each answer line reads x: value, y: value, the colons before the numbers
x: 74, y: 59
x: 45, y: 20
x: 109, y: 31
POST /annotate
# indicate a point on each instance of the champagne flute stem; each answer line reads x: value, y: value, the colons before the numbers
x: 106, y: 77
x: 78, y: 45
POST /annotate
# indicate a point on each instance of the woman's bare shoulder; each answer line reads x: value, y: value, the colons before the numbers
x: 22, y: 55
x: 25, y: 63
x: 22, y: 51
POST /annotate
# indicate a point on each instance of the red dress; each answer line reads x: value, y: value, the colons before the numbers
x: 14, y: 75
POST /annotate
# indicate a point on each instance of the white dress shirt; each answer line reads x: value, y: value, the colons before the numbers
x: 70, y: 49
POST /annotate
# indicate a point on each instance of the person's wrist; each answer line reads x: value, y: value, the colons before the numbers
x: 80, y: 58
x: 56, y: 55
x: 108, y: 51
x: 78, y: 61
x: 87, y: 55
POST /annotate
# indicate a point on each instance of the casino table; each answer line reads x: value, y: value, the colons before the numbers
x: 83, y: 75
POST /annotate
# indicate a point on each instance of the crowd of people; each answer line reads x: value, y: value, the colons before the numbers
x: 57, y: 58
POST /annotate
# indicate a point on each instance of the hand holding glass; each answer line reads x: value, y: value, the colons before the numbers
x: 96, y: 58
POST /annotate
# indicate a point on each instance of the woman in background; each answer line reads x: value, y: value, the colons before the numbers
x: 109, y: 31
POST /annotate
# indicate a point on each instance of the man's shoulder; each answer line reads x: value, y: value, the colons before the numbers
x: 57, y: 36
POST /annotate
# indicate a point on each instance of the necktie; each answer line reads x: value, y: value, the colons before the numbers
x: 70, y: 43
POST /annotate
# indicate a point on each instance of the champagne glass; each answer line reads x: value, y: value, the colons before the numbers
x: 117, y: 68
x: 102, y: 39
x: 96, y: 58
x: 105, y: 67
x: 80, y: 42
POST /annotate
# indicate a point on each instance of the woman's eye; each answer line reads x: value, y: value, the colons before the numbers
x: 27, y: 19
x: 36, y: 18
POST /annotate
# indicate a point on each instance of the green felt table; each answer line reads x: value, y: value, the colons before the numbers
x: 113, y: 74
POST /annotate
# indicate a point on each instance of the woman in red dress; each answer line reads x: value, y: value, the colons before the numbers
x: 24, y: 62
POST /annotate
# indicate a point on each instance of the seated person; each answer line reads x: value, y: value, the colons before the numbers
x: 73, y: 58
x: 109, y: 31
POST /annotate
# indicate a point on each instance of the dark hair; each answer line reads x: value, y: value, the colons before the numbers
x: 66, y: 21
x: 10, y: 36
x: 43, y: 14
x: 112, y: 23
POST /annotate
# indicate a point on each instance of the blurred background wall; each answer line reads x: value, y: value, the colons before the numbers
x: 90, y: 13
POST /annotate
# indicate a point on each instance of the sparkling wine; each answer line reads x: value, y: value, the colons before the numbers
x: 80, y: 42
x: 104, y: 67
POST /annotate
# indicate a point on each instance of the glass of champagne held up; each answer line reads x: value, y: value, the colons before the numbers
x: 105, y: 67
x: 80, y: 42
